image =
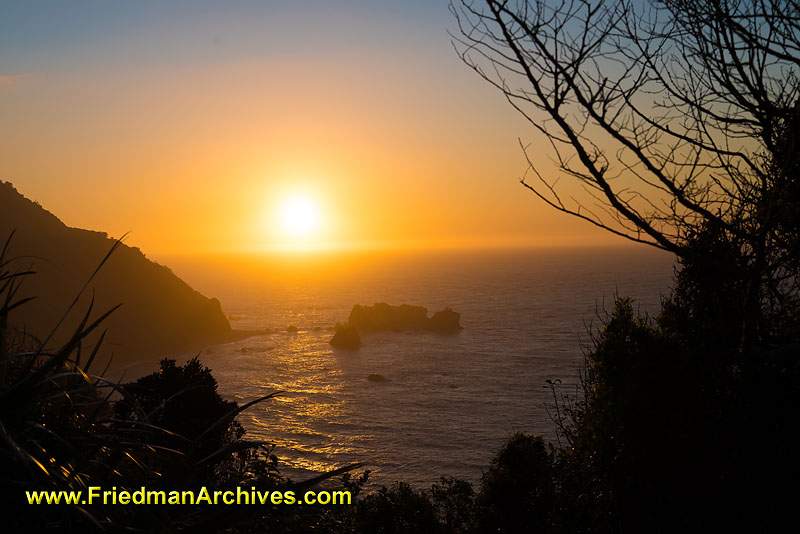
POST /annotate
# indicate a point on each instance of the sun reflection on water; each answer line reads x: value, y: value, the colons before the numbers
x: 447, y: 402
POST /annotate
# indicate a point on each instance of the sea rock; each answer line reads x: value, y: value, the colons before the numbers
x: 382, y: 316
x: 445, y: 321
x: 346, y: 337
x: 291, y: 329
x: 376, y: 378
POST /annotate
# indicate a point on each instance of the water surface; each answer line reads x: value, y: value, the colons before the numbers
x: 448, y: 402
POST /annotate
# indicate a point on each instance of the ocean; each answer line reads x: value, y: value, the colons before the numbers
x: 448, y: 402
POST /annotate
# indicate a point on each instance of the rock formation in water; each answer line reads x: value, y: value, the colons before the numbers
x: 445, y: 321
x: 382, y: 316
x: 160, y: 314
x: 346, y: 337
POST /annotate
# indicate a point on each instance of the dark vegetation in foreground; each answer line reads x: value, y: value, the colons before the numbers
x: 64, y: 428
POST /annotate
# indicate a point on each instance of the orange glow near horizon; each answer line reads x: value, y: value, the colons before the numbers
x: 193, y: 136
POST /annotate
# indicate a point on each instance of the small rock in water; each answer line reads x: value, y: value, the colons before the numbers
x: 376, y: 378
x: 292, y: 329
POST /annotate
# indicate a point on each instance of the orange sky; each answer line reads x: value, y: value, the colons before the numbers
x: 189, y: 125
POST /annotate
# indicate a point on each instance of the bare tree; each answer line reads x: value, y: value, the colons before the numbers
x: 672, y: 116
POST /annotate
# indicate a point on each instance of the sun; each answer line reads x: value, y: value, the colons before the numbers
x: 299, y: 216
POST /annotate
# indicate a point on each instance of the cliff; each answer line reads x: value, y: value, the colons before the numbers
x: 160, y: 314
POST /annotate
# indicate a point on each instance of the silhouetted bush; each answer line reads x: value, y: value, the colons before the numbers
x: 516, y: 493
x: 454, y: 503
x: 671, y: 436
x: 396, y: 510
x: 59, y: 431
x: 201, y: 425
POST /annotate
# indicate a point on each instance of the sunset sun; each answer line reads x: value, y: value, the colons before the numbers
x: 299, y: 216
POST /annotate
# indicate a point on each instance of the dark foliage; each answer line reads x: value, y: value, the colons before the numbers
x: 517, y: 491
x: 453, y: 501
x: 396, y: 510
x: 171, y: 430
x: 673, y: 437
x: 183, y: 401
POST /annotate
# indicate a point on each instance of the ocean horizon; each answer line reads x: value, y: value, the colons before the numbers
x: 447, y: 402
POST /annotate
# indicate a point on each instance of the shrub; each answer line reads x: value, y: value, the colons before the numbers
x: 60, y: 431
x: 396, y: 510
x: 517, y: 491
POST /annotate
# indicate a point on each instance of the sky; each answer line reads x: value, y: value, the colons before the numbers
x: 195, y: 126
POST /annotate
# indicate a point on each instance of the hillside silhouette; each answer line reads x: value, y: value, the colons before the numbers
x: 160, y: 314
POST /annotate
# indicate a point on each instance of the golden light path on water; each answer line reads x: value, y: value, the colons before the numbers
x: 447, y: 402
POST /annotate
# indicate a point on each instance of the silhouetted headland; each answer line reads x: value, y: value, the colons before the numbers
x: 160, y: 314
